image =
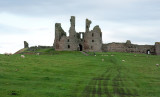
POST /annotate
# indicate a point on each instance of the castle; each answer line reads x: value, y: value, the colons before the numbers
x: 82, y: 41
x: 92, y: 41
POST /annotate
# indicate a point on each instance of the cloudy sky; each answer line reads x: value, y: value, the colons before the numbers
x: 120, y: 20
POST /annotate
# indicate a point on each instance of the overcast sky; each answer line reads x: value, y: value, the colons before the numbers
x: 120, y: 20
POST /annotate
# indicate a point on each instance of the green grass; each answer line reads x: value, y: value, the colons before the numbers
x: 71, y: 74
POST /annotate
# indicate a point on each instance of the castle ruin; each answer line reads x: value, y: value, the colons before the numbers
x: 92, y: 41
x: 82, y: 41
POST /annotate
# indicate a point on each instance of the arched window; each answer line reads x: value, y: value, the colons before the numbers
x: 68, y: 40
x: 92, y: 40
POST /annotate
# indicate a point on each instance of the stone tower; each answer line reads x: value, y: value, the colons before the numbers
x: 72, y: 31
x: 90, y: 40
x: 26, y: 45
x: 93, y: 38
x: 59, y: 33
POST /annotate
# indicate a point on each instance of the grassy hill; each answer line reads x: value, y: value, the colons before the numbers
x: 71, y: 74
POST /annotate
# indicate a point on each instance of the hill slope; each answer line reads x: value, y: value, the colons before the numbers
x: 71, y: 74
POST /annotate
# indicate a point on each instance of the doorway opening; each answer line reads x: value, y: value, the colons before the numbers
x: 80, y: 47
x: 148, y: 52
x: 68, y: 46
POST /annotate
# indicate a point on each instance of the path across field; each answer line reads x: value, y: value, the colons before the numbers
x: 110, y: 83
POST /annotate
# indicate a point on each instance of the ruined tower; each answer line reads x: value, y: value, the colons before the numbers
x: 88, y: 23
x: 59, y: 33
x: 93, y: 38
x: 90, y: 40
x: 26, y: 45
x: 72, y: 31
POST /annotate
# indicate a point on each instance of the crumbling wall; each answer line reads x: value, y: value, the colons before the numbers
x: 72, y: 31
x: 26, y: 45
x: 105, y: 48
x: 59, y: 33
x: 128, y: 47
x: 88, y: 23
x: 92, y: 39
x: 146, y: 49
x: 115, y: 47
x: 34, y: 48
x: 72, y: 39
x: 63, y: 42
x: 157, y: 48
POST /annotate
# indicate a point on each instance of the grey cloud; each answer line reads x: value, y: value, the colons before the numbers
x: 133, y: 12
x: 106, y: 9
x: 122, y: 11
x: 5, y: 29
x: 37, y: 7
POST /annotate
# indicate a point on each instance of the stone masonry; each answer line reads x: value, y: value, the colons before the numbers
x: 78, y: 41
x: 91, y: 40
x: 26, y: 45
x: 129, y: 48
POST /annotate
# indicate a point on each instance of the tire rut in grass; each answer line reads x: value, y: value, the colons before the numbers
x: 99, y: 89
x: 94, y: 88
x: 105, y: 85
x: 119, y: 88
x: 99, y: 86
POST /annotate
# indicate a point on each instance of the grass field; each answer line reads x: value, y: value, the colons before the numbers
x: 71, y: 74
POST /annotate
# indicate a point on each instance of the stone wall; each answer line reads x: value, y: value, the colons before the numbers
x: 59, y: 33
x: 128, y: 47
x: 157, y: 48
x: 34, y: 48
x: 26, y: 45
x: 93, y: 40
x: 90, y: 40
